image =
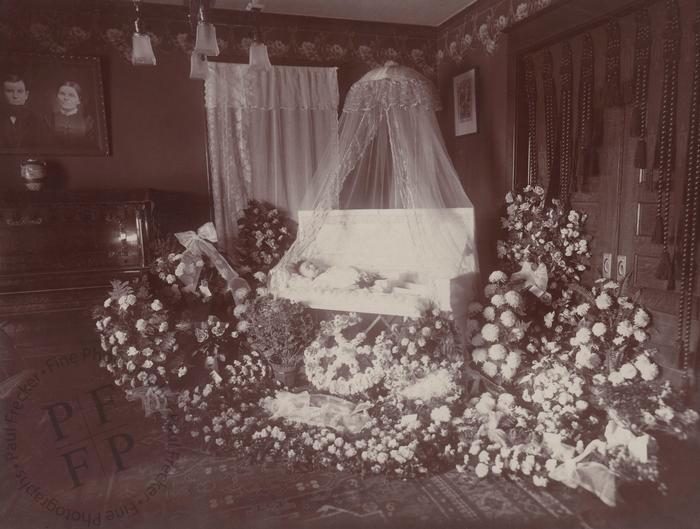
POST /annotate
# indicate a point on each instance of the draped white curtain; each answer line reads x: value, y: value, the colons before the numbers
x: 267, y: 130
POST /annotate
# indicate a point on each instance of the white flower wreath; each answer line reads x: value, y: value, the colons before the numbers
x: 341, y: 366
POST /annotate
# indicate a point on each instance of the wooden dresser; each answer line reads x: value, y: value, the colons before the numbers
x: 58, y: 252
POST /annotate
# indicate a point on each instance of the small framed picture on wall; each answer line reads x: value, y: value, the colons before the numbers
x: 464, y: 90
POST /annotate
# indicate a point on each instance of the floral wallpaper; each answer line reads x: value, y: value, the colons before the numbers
x: 36, y: 27
x: 483, y: 27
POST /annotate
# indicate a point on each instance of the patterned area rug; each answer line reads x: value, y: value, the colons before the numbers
x: 127, y: 473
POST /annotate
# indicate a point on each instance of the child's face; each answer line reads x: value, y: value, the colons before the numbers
x: 308, y: 269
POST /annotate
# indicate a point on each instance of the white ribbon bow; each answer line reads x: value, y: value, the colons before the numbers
x: 200, y: 243
x: 535, y: 278
x: 616, y: 435
x: 575, y: 472
x: 152, y: 399
x: 319, y: 410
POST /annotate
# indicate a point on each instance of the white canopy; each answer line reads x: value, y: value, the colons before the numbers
x: 390, y: 155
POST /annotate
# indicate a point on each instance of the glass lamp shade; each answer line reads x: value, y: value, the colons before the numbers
x: 206, y: 40
x: 258, y: 56
x: 141, y: 50
x: 199, y: 67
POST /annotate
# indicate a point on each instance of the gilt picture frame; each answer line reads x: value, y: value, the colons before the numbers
x: 465, y: 107
x: 52, y: 105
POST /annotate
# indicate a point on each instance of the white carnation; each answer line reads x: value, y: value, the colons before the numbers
x: 441, y: 414
x: 625, y: 328
x: 583, y: 335
x: 599, y: 329
x: 641, y: 318
x: 489, y: 313
x: 628, y: 371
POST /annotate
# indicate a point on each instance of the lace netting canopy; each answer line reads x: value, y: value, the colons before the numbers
x: 386, y: 199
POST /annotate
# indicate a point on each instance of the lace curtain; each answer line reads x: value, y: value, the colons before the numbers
x: 267, y: 130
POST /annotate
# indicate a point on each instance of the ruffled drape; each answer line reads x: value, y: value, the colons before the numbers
x: 267, y: 130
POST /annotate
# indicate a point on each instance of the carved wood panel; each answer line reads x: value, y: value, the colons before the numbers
x: 620, y: 201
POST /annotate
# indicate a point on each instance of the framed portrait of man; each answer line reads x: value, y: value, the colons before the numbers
x: 52, y: 105
x: 464, y: 90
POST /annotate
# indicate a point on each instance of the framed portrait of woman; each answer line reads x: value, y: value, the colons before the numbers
x: 464, y: 91
x: 52, y: 105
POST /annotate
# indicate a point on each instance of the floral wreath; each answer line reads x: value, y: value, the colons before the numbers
x: 345, y: 367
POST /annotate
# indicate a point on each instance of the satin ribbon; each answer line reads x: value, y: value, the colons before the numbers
x: 492, y: 431
x: 200, y: 243
x: 152, y: 399
x: 575, y: 472
x: 319, y: 410
x: 535, y: 279
x: 616, y: 435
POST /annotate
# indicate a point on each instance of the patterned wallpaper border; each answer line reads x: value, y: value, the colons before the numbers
x: 41, y: 27
x: 482, y: 27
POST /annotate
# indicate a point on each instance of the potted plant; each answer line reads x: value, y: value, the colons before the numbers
x: 280, y: 329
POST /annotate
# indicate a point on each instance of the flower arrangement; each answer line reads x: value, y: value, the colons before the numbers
x: 279, y: 328
x: 500, y: 439
x: 426, y: 362
x: 161, y: 332
x: 605, y: 327
x: 644, y: 406
x: 341, y: 366
x: 541, y: 233
x: 499, y: 330
x: 264, y: 235
x: 137, y: 336
x: 560, y: 396
x: 217, y: 414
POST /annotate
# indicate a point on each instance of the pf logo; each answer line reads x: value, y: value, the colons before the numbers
x: 89, y: 433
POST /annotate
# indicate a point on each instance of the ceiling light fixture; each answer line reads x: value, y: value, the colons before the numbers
x: 141, y: 49
x: 258, y: 58
x: 205, y: 43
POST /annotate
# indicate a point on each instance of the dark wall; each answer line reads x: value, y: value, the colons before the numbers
x: 481, y: 159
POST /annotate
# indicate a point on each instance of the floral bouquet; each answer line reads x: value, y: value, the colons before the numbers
x: 426, y: 363
x: 220, y: 413
x: 543, y: 234
x: 344, y: 366
x: 560, y: 398
x: 137, y: 336
x: 500, y: 440
x: 606, y: 327
x: 264, y: 235
x: 644, y: 406
x: 499, y: 330
x: 279, y: 328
